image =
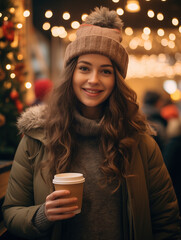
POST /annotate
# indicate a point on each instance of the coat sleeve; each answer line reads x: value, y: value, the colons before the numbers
x: 18, y: 207
x: 163, y: 202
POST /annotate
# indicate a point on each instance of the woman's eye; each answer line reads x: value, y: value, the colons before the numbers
x: 106, y: 71
x: 83, y: 68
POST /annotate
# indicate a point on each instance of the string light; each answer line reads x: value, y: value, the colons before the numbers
x: 147, y: 30
x: 150, y: 66
x: 46, y: 26
x: 170, y: 86
x: 176, y: 96
x: 55, y: 31
x: 12, y: 10
x: 175, y: 21
x: 155, y: 66
x: 75, y: 24
x: 61, y: 30
x: 84, y: 16
x: 28, y: 85
x: 171, y: 44
x: 63, y: 34
x: 150, y: 13
x: 132, y: 6
x: 160, y: 16
x: 129, y: 31
x: 8, y: 66
x: 66, y: 15
x: 120, y: 11
x: 160, y: 32
x: 172, y: 36
x: 164, y: 42
x: 12, y: 75
x: 20, y: 57
x: 48, y: 14
x: 26, y: 13
x: 19, y: 25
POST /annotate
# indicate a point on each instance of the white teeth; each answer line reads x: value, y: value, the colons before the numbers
x: 92, y: 91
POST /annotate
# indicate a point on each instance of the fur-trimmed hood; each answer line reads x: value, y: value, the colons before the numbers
x: 32, y: 122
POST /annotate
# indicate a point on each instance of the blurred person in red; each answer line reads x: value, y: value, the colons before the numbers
x: 42, y: 88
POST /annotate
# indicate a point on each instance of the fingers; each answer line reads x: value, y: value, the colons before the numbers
x: 63, y: 213
x: 59, y: 205
x: 61, y: 202
x: 57, y: 194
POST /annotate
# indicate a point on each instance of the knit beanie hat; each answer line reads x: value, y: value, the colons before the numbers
x: 101, y: 34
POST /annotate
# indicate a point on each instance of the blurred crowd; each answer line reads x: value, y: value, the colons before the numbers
x: 164, y: 117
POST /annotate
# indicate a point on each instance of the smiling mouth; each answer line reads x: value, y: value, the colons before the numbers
x: 92, y: 91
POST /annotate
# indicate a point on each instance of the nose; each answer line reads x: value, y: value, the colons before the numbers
x: 93, y: 77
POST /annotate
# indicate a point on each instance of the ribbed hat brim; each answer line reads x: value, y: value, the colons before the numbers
x: 99, y: 44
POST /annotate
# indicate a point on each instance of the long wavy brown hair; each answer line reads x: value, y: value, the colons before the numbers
x: 121, y: 124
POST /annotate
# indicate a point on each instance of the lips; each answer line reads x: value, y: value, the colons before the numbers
x: 92, y: 91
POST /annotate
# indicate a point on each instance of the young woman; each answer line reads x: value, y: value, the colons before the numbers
x: 92, y: 125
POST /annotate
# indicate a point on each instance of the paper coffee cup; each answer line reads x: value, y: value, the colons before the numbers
x: 74, y: 183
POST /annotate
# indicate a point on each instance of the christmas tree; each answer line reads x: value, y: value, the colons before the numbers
x: 12, y: 76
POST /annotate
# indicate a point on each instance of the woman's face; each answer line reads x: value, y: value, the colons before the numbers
x: 93, y: 82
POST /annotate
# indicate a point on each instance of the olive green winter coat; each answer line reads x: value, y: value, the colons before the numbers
x: 152, y: 205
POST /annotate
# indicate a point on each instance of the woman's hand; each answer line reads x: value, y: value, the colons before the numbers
x: 57, y: 205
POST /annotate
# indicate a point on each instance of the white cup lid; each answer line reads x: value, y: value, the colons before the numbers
x: 68, y: 178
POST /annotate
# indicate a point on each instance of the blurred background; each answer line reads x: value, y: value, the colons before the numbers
x: 34, y: 34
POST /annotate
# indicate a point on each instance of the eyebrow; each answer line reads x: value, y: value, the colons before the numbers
x: 88, y: 63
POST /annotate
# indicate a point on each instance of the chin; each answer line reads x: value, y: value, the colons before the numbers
x: 91, y: 105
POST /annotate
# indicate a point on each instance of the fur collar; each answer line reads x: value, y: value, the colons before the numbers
x: 32, y: 118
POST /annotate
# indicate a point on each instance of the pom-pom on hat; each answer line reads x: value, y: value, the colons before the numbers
x: 101, y: 34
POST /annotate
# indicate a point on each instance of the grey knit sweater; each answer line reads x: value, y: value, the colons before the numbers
x: 101, y: 215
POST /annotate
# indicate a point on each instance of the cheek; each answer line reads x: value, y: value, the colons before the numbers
x: 111, y: 85
x: 76, y: 85
x: 75, y: 82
